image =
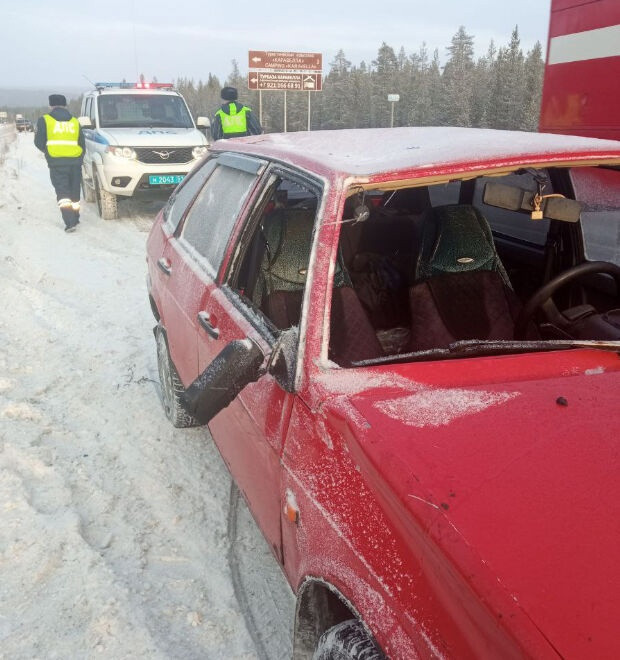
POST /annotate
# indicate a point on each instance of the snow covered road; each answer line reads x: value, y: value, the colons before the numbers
x: 113, y: 525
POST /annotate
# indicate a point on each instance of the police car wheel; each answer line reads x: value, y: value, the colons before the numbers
x: 106, y: 202
x: 88, y: 194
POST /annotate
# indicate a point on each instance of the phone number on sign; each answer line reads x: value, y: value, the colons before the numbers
x: 275, y: 85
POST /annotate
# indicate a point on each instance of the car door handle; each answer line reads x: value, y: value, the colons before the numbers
x: 164, y: 265
x: 205, y: 321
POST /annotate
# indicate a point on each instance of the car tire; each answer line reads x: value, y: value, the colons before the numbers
x: 171, y: 385
x: 106, y: 202
x: 347, y: 640
x: 88, y: 193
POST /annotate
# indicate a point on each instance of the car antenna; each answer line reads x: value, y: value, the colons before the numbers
x: 89, y: 80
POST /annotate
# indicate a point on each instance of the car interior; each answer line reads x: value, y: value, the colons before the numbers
x: 465, y: 267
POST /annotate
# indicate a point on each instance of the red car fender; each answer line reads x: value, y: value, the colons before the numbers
x: 407, y: 594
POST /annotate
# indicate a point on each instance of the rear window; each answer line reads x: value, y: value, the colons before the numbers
x: 210, y: 220
x: 185, y: 193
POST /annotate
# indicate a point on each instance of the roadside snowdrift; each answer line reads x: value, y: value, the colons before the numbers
x: 113, y: 538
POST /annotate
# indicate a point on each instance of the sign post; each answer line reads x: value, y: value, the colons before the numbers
x: 393, y: 98
x: 285, y: 71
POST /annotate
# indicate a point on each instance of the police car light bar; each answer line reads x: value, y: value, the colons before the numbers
x: 137, y: 85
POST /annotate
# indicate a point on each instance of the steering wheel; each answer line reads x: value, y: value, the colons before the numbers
x: 545, y: 292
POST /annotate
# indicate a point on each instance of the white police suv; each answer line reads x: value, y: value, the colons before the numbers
x: 139, y: 136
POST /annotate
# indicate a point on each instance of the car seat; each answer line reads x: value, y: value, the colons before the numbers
x: 352, y: 337
x: 462, y: 290
x: 288, y: 239
x: 457, y: 238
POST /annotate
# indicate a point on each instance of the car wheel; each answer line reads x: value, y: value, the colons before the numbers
x: 171, y: 385
x: 106, y: 202
x: 87, y: 192
x: 347, y: 641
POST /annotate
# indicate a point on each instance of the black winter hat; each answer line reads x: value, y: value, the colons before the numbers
x: 229, y: 94
x: 57, y: 99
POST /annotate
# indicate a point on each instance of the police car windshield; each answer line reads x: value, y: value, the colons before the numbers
x: 140, y: 110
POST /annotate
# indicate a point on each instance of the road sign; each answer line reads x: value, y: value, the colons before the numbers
x: 295, y: 82
x: 283, y: 61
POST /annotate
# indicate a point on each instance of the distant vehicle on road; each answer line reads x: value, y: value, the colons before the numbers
x: 405, y: 343
x: 139, y: 136
x: 24, y: 125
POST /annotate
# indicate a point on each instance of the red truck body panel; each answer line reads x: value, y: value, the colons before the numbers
x: 581, y: 95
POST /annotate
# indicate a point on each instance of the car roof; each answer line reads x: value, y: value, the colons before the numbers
x: 133, y: 91
x: 394, y: 152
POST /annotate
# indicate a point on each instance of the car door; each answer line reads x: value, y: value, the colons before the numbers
x: 88, y: 111
x: 250, y: 432
x: 192, y: 254
x: 177, y: 281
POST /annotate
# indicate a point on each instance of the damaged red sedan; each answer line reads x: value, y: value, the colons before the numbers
x: 405, y: 343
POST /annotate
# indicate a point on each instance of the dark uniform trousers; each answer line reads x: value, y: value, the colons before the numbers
x: 66, y: 179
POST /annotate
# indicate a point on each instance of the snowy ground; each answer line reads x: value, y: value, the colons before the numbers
x: 115, y: 528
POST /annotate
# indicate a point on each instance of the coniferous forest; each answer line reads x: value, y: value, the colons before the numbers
x: 502, y: 89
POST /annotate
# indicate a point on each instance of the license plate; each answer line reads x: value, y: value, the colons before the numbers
x: 165, y: 179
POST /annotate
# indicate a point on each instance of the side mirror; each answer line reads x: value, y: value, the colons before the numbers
x: 235, y: 366
x: 85, y: 122
x: 284, y: 358
x: 203, y: 122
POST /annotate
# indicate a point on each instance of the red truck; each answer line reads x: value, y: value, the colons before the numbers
x: 581, y: 93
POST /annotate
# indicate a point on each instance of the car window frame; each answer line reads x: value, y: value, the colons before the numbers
x: 86, y: 112
x: 251, y: 165
x: 242, y: 237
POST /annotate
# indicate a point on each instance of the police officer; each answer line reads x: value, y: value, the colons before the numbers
x: 60, y: 138
x: 234, y: 119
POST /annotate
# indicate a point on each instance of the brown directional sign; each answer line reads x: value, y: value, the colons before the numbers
x: 294, y: 82
x: 283, y: 61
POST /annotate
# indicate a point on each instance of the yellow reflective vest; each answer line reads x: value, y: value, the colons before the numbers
x: 234, y: 122
x: 62, y: 137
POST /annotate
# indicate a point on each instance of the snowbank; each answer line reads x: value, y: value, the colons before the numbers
x: 113, y: 525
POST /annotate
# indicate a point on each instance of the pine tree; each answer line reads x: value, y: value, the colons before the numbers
x: 483, y: 78
x: 515, y: 81
x: 384, y: 81
x: 498, y: 104
x: 458, y: 79
x: 360, y: 94
x: 435, y: 90
x: 532, y: 93
x: 337, y: 101
x: 417, y: 100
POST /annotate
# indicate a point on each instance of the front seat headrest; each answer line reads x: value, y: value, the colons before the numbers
x: 457, y: 238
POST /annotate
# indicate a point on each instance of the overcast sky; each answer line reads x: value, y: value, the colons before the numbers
x: 56, y: 45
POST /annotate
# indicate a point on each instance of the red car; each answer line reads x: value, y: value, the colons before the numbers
x: 406, y: 345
